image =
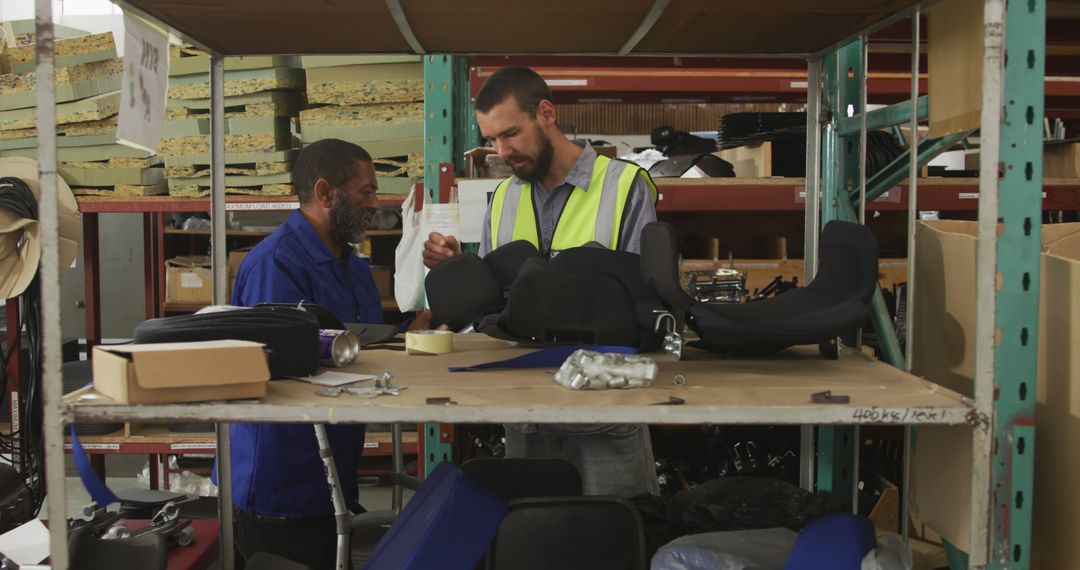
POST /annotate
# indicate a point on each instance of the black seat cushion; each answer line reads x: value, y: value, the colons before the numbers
x: 461, y: 290
x: 585, y: 295
x: 834, y: 303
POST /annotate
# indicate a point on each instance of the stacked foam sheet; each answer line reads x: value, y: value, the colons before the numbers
x: 375, y: 102
x: 262, y: 101
x: 88, y: 76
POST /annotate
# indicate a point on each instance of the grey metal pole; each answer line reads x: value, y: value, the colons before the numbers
x: 863, y: 62
x: 342, y: 519
x: 909, y: 317
x: 52, y: 389
x: 856, y: 440
x: 217, y: 233
x: 812, y: 230
x: 399, y: 467
x: 993, y: 80
x: 913, y: 188
x: 813, y: 167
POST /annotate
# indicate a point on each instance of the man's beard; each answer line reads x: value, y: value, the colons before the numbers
x: 346, y: 223
x: 535, y: 169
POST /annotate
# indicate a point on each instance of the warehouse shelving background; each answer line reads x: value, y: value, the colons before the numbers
x: 988, y: 202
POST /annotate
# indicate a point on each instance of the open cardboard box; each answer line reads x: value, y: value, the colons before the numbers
x: 181, y: 372
x: 944, y: 353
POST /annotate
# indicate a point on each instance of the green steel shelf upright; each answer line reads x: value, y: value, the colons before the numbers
x: 1010, y: 214
x: 449, y: 130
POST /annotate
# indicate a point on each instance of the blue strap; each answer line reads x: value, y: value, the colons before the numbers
x: 99, y: 491
x: 545, y: 358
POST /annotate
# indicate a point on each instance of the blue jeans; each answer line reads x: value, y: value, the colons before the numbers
x: 612, y: 459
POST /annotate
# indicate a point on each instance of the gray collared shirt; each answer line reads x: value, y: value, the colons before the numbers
x: 640, y: 209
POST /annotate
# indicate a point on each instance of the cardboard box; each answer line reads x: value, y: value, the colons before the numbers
x: 181, y: 372
x: 754, y: 161
x: 944, y: 353
x: 189, y: 280
x: 955, y: 54
x: 477, y: 164
x: 235, y: 257
x: 1061, y: 160
x: 384, y: 280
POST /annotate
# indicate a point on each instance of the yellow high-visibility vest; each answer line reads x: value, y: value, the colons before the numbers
x: 592, y: 214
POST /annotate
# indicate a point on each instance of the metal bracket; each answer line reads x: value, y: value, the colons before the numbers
x: 673, y: 340
x: 827, y: 397
x: 384, y: 386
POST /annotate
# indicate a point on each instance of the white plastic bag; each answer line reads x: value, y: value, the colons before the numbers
x: 891, y: 554
x: 764, y: 549
x: 409, y: 270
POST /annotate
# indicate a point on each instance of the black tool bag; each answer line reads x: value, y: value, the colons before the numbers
x: 291, y: 336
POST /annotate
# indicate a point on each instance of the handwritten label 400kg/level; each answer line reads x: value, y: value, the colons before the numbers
x: 895, y: 415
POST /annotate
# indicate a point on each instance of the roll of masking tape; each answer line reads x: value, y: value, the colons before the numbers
x: 429, y: 342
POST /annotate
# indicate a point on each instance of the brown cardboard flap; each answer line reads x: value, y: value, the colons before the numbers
x: 1062, y: 240
x: 198, y: 261
x: 189, y: 364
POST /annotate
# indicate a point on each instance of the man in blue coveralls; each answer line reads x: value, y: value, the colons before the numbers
x: 280, y: 493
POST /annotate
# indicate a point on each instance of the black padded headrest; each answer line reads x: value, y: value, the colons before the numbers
x: 660, y: 265
x: 505, y: 261
x: 462, y: 289
x: 848, y: 266
x: 562, y: 306
x: 584, y: 295
x: 291, y: 336
x: 622, y: 265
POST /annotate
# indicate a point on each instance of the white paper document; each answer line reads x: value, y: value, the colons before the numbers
x: 333, y: 379
x: 442, y: 218
x: 27, y: 544
x: 473, y: 196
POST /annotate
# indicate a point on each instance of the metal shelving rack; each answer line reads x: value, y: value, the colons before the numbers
x: 1002, y: 409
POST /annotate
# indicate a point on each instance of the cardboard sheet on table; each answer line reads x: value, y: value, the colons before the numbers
x: 332, y: 378
x: 787, y: 378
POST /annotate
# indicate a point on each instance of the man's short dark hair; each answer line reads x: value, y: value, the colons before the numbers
x: 524, y: 84
x: 333, y: 159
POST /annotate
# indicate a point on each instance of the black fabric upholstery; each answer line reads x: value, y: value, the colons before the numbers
x: 291, y: 336
x: 461, y: 290
x: 560, y: 306
x: 327, y: 318
x: 834, y: 303
x: 570, y: 533
x: 505, y: 261
x: 522, y: 477
x: 660, y: 266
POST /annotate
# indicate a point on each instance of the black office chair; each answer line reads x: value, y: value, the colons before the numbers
x: 833, y: 304
x: 569, y: 533
x: 517, y: 478
x: 144, y: 552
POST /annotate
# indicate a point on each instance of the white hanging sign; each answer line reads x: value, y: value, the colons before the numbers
x: 145, y: 83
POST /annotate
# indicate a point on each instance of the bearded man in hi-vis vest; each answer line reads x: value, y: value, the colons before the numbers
x: 562, y: 195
